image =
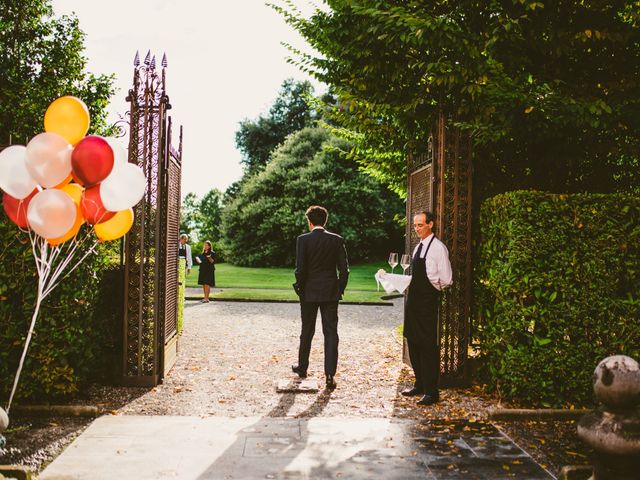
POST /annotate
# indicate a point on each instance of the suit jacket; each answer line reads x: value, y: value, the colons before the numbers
x: 319, y: 254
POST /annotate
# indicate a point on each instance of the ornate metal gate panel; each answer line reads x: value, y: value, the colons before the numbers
x: 440, y: 181
x: 150, y: 253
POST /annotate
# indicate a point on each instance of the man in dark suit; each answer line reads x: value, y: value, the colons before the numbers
x: 319, y: 254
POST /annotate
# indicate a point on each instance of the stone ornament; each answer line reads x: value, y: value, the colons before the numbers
x: 613, y: 431
x: 616, y: 382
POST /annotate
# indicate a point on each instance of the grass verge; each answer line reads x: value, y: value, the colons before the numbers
x: 281, y: 278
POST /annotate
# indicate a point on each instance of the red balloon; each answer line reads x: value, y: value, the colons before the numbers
x: 91, y: 160
x: 16, y: 209
x: 92, y: 208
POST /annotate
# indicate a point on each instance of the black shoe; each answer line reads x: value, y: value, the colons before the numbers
x: 301, y: 373
x: 331, y: 383
x: 428, y: 400
x: 412, y: 392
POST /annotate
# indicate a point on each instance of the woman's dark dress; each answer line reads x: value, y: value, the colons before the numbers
x: 207, y: 274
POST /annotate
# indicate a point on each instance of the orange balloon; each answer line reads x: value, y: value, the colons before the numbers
x: 68, y: 117
x: 74, y: 191
x: 71, y: 233
x: 116, y: 226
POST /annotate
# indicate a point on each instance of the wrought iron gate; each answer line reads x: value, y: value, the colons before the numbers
x: 150, y: 254
x: 439, y: 180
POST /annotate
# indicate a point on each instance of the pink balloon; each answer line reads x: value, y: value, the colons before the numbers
x: 48, y: 159
x: 92, y: 160
x: 51, y: 213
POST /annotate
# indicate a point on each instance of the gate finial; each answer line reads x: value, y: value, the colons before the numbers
x: 153, y: 63
x: 164, y: 60
x: 147, y: 58
x: 136, y: 60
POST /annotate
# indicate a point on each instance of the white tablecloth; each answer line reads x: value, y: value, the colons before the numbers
x: 392, y: 281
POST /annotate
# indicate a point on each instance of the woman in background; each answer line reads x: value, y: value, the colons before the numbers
x: 207, y: 274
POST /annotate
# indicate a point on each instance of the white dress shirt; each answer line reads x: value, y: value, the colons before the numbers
x: 437, y: 262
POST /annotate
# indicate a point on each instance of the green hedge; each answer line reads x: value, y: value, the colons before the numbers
x: 74, y: 339
x: 557, y: 290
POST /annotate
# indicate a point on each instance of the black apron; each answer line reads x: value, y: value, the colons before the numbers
x: 421, y: 308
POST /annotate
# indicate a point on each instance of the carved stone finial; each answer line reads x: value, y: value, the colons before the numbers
x: 613, y: 431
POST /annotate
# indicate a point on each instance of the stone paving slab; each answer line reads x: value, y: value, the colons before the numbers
x: 202, y: 448
x: 309, y: 385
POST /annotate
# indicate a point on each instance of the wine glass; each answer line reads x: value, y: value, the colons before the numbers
x: 405, y: 262
x: 393, y: 260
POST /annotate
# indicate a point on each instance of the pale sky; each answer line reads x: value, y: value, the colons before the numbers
x: 226, y: 63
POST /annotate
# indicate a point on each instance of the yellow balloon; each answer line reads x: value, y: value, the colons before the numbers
x: 71, y: 233
x: 68, y: 117
x: 116, y: 226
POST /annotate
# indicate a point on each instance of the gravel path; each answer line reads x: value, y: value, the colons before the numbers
x: 231, y: 356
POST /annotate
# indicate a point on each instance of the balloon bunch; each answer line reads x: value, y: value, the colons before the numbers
x: 60, y: 181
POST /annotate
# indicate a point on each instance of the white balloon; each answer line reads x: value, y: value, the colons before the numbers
x: 123, y: 188
x: 51, y: 213
x: 119, y: 152
x: 15, y: 179
x: 49, y: 159
x: 4, y: 420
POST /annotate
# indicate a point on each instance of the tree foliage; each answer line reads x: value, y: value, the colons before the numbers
x: 201, y: 218
x: 261, y: 223
x: 291, y: 111
x: 41, y: 59
x: 549, y: 90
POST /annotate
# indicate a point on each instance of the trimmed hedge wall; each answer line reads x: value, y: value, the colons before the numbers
x: 557, y: 290
x: 74, y: 338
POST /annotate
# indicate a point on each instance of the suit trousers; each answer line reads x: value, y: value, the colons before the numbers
x: 425, y: 354
x: 329, y: 314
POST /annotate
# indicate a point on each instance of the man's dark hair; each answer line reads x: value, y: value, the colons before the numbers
x: 317, y: 215
x: 428, y: 216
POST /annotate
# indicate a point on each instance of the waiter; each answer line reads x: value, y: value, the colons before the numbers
x: 430, y: 274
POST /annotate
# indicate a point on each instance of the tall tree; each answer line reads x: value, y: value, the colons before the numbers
x: 201, y: 218
x: 549, y: 90
x: 290, y: 112
x: 41, y: 59
x: 261, y: 223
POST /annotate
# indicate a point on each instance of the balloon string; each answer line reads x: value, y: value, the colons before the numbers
x: 26, y: 345
x: 45, y: 259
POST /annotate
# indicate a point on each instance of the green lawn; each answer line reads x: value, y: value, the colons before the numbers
x: 231, y: 276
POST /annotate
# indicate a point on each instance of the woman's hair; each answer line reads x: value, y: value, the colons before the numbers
x: 185, y: 236
x: 207, y: 242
